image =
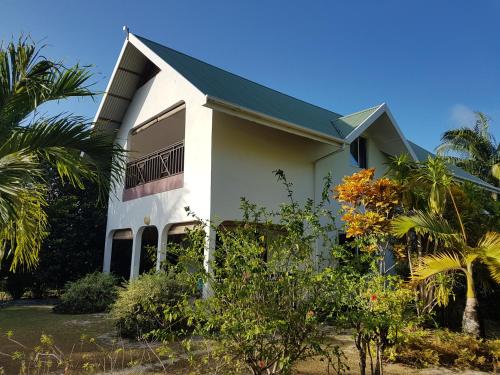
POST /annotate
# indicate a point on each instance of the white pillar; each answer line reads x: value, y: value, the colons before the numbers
x: 136, y: 253
x: 108, y: 247
x: 208, y: 257
x: 162, y: 246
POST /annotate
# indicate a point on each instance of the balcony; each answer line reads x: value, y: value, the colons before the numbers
x: 155, y: 172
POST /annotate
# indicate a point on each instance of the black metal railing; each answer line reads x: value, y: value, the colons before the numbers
x: 159, y: 164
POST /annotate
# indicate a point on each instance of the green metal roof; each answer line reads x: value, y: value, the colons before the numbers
x: 422, y: 155
x: 229, y: 87
x: 346, y: 124
x: 220, y: 84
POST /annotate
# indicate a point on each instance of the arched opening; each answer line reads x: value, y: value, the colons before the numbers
x: 149, y: 249
x: 176, y: 237
x: 121, y: 253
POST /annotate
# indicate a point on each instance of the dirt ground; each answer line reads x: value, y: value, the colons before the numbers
x: 29, y: 322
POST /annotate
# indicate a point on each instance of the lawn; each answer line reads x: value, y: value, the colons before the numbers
x: 28, y: 323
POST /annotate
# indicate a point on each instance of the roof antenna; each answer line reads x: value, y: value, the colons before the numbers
x: 126, y: 30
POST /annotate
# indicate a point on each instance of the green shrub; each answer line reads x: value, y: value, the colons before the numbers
x: 150, y: 306
x: 91, y: 294
x: 422, y: 348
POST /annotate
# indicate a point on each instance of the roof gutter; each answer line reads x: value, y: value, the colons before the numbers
x: 484, y: 186
x: 248, y: 114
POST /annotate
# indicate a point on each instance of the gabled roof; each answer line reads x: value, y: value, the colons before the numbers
x: 346, y: 124
x: 229, y: 87
x: 141, y: 57
x: 457, y: 172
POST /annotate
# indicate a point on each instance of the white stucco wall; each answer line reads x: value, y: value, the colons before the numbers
x: 164, y: 90
x: 339, y: 165
x: 244, y: 156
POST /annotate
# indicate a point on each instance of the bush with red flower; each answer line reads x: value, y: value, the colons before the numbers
x: 375, y: 306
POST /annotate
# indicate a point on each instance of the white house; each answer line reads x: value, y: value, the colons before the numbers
x: 202, y: 137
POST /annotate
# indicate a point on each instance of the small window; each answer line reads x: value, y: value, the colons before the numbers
x: 358, y: 152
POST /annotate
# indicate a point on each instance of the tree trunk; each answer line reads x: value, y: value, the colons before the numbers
x: 361, y: 346
x: 470, y: 321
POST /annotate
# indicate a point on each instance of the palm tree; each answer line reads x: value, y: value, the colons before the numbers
x: 30, y: 141
x: 473, y: 148
x: 456, y: 255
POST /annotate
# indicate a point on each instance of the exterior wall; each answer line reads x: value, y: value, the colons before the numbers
x: 226, y: 158
x: 244, y: 156
x: 339, y: 165
x: 164, y: 90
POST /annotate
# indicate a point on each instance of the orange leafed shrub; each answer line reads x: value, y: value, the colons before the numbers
x: 368, y: 204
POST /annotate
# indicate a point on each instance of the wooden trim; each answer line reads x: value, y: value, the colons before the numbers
x: 154, y: 187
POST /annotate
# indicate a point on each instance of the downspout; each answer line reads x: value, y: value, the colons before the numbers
x: 315, y: 194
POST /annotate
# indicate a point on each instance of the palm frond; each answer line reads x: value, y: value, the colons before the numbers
x: 434, y: 264
x: 23, y: 236
x: 424, y: 223
x: 489, y: 250
x: 495, y: 171
x: 78, y: 152
x: 18, y: 172
x: 27, y: 80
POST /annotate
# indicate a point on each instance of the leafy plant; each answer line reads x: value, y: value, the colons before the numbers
x: 264, y: 291
x: 377, y: 307
x: 28, y: 141
x: 455, y: 255
x: 367, y: 206
x: 474, y: 148
x: 91, y: 294
x: 151, y: 306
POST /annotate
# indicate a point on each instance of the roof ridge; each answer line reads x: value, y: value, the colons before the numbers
x: 358, y: 112
x: 239, y: 76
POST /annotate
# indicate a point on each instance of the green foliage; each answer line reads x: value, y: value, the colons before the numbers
x: 473, y: 148
x: 73, y: 247
x: 265, y: 292
x: 28, y: 141
x: 151, y: 306
x: 423, y: 348
x: 91, y: 294
x: 377, y: 307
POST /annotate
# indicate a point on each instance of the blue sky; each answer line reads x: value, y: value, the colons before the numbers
x: 431, y: 61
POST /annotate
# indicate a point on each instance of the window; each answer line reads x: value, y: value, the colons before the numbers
x: 358, y: 152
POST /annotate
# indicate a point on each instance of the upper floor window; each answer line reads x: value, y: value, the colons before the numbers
x: 358, y: 152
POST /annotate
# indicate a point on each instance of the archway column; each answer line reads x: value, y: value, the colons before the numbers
x: 136, y: 253
x: 161, y: 253
x: 208, y: 257
x: 108, y: 248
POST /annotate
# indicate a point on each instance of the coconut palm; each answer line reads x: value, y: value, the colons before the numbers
x: 454, y: 255
x: 473, y: 148
x: 29, y: 142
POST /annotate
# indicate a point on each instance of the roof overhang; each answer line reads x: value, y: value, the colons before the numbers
x: 482, y: 185
x: 371, y: 120
x: 247, y: 114
x: 127, y: 75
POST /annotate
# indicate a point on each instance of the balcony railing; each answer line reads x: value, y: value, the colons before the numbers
x: 155, y: 166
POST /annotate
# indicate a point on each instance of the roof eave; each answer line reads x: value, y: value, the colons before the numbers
x: 484, y: 186
x: 113, y: 74
x: 242, y: 112
x: 383, y: 108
